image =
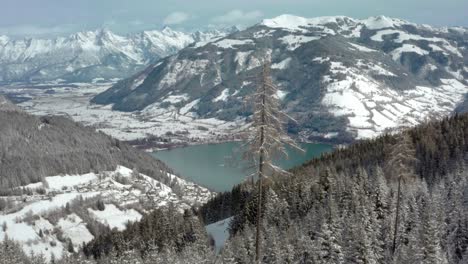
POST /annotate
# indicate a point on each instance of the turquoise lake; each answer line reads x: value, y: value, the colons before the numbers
x: 218, y: 166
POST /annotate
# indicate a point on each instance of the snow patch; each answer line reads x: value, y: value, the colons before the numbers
x: 220, y: 232
x: 396, y: 54
x: 295, y: 41
x: 380, y: 22
x: 280, y: 94
x: 184, y: 110
x: 222, y: 97
x: 114, y: 217
x: 67, y: 181
x: 174, y: 99
x: 282, y: 64
x: 75, y: 229
x: 362, y: 48
x: 230, y: 43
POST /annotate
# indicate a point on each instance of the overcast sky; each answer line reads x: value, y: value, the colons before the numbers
x: 58, y: 17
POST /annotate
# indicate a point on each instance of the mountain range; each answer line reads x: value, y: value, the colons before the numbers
x: 340, y: 78
x: 90, y: 56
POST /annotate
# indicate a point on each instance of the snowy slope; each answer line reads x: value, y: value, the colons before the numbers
x: 219, y: 231
x: 338, y: 76
x: 90, y: 56
x: 45, y: 221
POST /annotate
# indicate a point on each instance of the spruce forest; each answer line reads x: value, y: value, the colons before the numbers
x: 339, y: 208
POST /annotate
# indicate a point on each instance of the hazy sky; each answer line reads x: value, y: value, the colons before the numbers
x: 58, y: 17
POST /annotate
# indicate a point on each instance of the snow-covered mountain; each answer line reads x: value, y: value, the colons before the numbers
x: 90, y: 56
x: 339, y: 77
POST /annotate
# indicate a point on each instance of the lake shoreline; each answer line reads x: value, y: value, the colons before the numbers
x: 219, y: 166
x: 176, y: 145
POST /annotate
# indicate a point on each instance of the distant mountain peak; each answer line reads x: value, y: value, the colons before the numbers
x: 293, y: 22
x: 167, y: 30
x: 380, y: 22
x: 296, y: 23
x: 87, y: 55
x: 364, y: 76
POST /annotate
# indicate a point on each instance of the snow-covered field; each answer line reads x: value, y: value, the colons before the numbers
x: 219, y: 231
x: 177, y: 124
x: 44, y: 225
x: 372, y: 108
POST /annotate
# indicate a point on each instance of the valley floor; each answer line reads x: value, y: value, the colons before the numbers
x: 149, y: 129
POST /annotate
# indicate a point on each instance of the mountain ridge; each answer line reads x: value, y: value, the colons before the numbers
x: 363, y: 76
x: 98, y: 55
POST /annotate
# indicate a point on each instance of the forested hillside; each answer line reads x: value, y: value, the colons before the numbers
x: 34, y: 147
x: 339, y: 208
x: 63, y: 184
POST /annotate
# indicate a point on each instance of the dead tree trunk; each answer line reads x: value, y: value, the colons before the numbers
x: 397, y: 216
x: 260, y: 173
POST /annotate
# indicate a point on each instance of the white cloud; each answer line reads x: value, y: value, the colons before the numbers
x: 32, y: 30
x: 176, y: 18
x: 237, y: 16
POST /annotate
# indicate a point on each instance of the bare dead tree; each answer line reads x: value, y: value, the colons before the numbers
x: 400, y: 165
x: 267, y: 141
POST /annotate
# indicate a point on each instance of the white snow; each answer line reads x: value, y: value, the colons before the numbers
x: 138, y: 81
x: 75, y: 229
x: 372, y: 68
x: 296, y: 23
x: 180, y: 69
x: 382, y: 22
x: 396, y: 53
x: 223, y: 96
x: 230, y: 43
x: 434, y: 47
x: 59, y: 182
x: 321, y: 59
x: 453, y: 50
x: 280, y: 94
x: 282, y: 64
x: 173, y: 99
x: 153, y: 120
x: 263, y: 33
x: 295, y: 41
x: 114, y: 217
x: 184, y: 110
x: 362, y: 48
x: 241, y: 58
x: 403, y: 36
x: 373, y: 108
x: 22, y: 227
x: 219, y: 231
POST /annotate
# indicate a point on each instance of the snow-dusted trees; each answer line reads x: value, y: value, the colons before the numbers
x: 34, y: 147
x: 267, y: 141
x: 11, y: 252
x: 401, y: 166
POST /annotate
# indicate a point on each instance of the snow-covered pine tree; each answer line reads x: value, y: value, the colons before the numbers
x: 402, y: 159
x: 268, y: 139
x: 433, y: 253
